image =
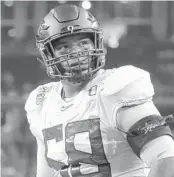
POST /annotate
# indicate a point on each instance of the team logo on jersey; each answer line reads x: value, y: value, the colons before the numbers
x: 93, y: 90
x: 63, y: 108
x: 41, y: 95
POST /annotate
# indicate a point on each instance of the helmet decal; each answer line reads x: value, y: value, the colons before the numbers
x: 43, y: 27
x: 70, y: 28
x: 90, y: 17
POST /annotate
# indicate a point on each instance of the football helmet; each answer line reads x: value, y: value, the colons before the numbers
x: 64, y: 21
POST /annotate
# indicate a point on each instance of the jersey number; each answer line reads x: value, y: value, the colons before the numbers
x: 97, y: 156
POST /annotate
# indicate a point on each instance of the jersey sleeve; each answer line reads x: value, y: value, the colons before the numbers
x: 125, y: 87
x: 33, y: 108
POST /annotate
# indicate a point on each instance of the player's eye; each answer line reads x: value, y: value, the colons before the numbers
x: 62, y: 47
x: 65, y: 47
x: 84, y: 42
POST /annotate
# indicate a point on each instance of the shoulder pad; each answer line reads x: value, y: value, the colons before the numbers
x: 37, y: 96
x: 130, y: 82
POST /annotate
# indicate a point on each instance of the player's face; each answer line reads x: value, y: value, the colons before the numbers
x: 72, y: 44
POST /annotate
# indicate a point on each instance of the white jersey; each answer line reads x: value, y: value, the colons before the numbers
x: 82, y: 137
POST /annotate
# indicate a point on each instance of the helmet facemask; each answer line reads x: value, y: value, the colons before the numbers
x: 66, y: 21
x: 95, y: 57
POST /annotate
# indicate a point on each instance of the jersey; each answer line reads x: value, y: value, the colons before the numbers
x: 82, y: 136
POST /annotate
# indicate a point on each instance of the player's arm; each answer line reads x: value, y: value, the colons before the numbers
x: 42, y: 168
x: 162, y: 166
x: 32, y: 107
x: 128, y: 98
x: 149, y: 137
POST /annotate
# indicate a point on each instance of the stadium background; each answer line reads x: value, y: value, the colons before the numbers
x: 140, y: 33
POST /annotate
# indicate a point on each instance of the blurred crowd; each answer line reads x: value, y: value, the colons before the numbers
x: 17, y: 144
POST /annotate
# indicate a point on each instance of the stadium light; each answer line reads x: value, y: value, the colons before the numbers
x: 124, y: 1
x: 12, y: 32
x: 62, y: 1
x: 86, y: 4
x: 113, y: 42
x: 8, y: 3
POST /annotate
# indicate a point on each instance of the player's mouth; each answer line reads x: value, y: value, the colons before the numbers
x: 75, y: 65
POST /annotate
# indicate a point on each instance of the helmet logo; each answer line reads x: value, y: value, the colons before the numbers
x: 70, y: 28
x: 43, y: 27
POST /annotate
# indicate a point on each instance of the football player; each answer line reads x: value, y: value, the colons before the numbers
x: 93, y: 122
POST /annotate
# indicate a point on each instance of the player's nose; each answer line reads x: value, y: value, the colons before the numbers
x: 75, y: 48
x: 76, y: 54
